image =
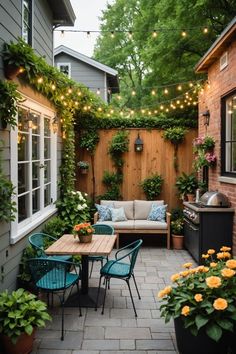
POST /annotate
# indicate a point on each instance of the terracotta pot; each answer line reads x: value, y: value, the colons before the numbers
x: 177, y: 242
x: 85, y: 238
x: 190, y: 197
x: 24, y: 344
x: 190, y: 344
x: 84, y: 171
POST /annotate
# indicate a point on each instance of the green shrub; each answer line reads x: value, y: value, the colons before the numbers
x: 152, y: 186
x: 55, y: 227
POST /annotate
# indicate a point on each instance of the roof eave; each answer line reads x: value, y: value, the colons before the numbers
x: 66, y: 17
x: 217, y: 48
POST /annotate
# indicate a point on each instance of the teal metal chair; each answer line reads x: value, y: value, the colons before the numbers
x: 122, y: 267
x: 40, y: 241
x: 100, y: 229
x: 52, y: 276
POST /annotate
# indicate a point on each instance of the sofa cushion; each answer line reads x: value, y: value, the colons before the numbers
x: 118, y: 214
x: 129, y: 224
x: 143, y: 207
x: 128, y: 206
x: 149, y: 225
x: 157, y: 213
x: 104, y: 211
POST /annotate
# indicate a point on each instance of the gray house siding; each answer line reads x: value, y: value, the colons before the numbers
x: 10, y: 29
x: 84, y: 73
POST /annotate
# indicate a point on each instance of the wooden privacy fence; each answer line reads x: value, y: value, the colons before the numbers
x: 157, y: 157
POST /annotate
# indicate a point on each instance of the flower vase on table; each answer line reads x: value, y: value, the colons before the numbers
x: 83, y: 232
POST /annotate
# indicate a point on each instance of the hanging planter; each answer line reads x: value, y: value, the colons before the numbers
x: 83, y: 167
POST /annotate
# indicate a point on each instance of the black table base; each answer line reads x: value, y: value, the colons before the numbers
x: 86, y: 300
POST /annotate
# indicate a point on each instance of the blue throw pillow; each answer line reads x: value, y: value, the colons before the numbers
x: 104, y: 211
x: 157, y: 213
x: 118, y: 214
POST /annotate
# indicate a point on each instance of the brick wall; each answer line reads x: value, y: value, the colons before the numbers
x: 221, y: 82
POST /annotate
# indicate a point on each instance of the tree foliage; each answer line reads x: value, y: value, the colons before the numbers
x: 145, y: 62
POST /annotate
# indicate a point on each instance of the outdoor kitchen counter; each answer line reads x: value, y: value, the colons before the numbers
x: 199, y: 209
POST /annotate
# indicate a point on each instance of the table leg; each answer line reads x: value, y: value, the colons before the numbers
x: 84, y: 275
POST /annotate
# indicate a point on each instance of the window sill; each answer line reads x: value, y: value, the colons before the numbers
x: 30, y: 227
x: 224, y: 179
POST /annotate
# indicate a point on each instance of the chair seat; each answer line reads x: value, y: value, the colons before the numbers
x: 54, y: 280
x: 118, y: 270
x: 96, y: 258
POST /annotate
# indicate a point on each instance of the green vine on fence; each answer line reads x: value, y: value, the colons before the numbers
x: 176, y: 136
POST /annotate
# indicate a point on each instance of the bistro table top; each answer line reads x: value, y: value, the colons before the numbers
x: 67, y: 244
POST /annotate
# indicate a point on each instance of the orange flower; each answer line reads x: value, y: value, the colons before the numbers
x: 231, y: 263
x: 220, y: 304
x: 213, y: 264
x: 175, y: 277
x: 211, y: 251
x: 222, y: 255
x: 187, y: 265
x: 225, y: 249
x: 185, y: 311
x: 213, y: 282
x: 165, y: 291
x: 205, y: 256
x: 185, y: 273
x: 198, y: 297
x: 227, y: 273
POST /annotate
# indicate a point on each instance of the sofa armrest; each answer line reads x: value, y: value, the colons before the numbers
x: 168, y: 217
x: 95, y: 217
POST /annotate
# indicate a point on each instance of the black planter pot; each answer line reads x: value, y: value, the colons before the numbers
x: 190, y: 344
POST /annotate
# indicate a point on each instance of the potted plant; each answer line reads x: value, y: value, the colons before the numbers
x: 83, y: 232
x: 19, y: 58
x: 152, y: 186
x: 202, y: 302
x: 177, y: 230
x: 187, y: 185
x: 20, y: 314
x: 83, y: 166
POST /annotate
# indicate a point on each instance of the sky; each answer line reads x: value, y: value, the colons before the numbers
x: 87, y: 18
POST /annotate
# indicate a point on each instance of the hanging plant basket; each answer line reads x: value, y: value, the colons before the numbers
x: 84, y: 171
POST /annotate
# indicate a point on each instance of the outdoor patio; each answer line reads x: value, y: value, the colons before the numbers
x: 118, y: 331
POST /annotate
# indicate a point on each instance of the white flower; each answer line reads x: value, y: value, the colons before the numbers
x: 81, y: 198
x: 85, y: 194
x: 79, y: 207
x: 72, y: 192
x: 84, y: 206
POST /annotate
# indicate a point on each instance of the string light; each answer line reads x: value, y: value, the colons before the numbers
x: 205, y: 30
x: 153, y: 92
x: 154, y: 34
x: 98, y: 91
x: 69, y: 90
x: 183, y: 33
x: 130, y: 34
x: 40, y: 80
x: 179, y: 87
x: 166, y: 91
x: 112, y: 34
x: 133, y: 93
x: 88, y: 34
x: 53, y: 87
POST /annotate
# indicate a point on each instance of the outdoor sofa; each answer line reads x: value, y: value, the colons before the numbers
x: 135, y: 217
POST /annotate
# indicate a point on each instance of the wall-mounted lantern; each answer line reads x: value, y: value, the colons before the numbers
x: 206, y: 117
x: 138, y: 144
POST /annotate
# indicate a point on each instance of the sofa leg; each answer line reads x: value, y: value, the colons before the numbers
x: 117, y: 241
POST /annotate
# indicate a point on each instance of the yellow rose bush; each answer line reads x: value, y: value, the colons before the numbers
x: 204, y: 296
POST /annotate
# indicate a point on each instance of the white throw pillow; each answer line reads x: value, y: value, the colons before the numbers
x: 118, y: 214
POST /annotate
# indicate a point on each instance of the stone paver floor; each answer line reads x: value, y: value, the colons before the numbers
x: 118, y: 331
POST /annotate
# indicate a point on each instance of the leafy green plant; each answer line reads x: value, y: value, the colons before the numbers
x: 7, y: 205
x: 186, y: 184
x: 176, y: 213
x: 176, y: 136
x: 24, y: 271
x: 83, y: 165
x: 152, y: 186
x: 73, y: 209
x: 21, y: 312
x: 21, y: 55
x: 177, y: 226
x: 89, y: 140
x: 112, y: 181
x: 8, y: 103
x: 55, y: 227
x: 118, y: 145
x: 204, y: 298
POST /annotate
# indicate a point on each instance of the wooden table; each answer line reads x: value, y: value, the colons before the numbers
x: 101, y: 245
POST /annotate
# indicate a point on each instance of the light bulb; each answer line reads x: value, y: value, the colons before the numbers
x: 154, y: 34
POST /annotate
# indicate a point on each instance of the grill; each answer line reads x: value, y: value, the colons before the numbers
x: 207, y: 224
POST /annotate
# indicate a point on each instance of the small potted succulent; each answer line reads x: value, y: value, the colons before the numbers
x: 20, y: 314
x: 83, y: 166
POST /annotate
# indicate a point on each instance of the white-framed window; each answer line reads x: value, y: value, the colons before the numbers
x: 229, y: 135
x: 33, y: 167
x: 27, y: 21
x: 65, y: 68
